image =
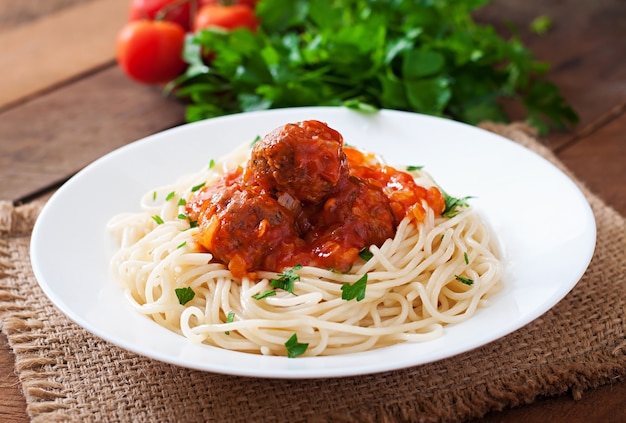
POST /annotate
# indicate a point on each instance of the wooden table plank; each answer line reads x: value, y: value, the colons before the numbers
x: 13, y: 403
x: 53, y: 136
x: 17, y: 13
x: 586, y: 49
x: 46, y: 52
x: 599, y: 160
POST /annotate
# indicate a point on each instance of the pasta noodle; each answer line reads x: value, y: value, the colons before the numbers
x: 413, y: 289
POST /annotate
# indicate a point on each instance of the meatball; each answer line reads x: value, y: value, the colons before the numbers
x: 356, y: 215
x: 244, y: 228
x: 305, y: 160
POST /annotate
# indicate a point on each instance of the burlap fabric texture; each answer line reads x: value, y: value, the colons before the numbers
x: 68, y: 374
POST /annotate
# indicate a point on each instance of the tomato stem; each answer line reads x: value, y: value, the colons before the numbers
x: 162, y: 14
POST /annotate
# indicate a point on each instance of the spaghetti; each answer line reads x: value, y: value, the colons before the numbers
x: 433, y: 271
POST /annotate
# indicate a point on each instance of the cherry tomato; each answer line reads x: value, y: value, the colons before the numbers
x: 226, y: 17
x: 174, y: 10
x: 150, y: 52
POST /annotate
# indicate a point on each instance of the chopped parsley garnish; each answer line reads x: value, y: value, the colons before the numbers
x: 466, y: 281
x: 287, y: 279
x: 197, y: 187
x: 181, y: 245
x: 184, y: 295
x: 453, y: 204
x: 295, y: 348
x: 229, y: 319
x: 154, y: 195
x: 255, y: 140
x: 541, y: 24
x: 412, y: 168
x: 466, y: 257
x: 356, y: 290
x: 211, y: 164
x: 170, y: 196
x: 158, y: 219
x: 264, y: 294
x: 182, y: 202
x: 366, y: 254
x: 192, y: 223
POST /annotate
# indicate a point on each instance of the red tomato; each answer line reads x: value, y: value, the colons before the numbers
x: 151, y: 51
x: 174, y: 10
x: 226, y: 17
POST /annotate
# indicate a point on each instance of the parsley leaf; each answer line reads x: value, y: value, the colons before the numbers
x: 264, y: 294
x: 287, y: 279
x: 466, y: 281
x: 184, y: 295
x: 424, y: 56
x: 197, y: 187
x: 412, y: 168
x: 229, y: 319
x: 158, y: 219
x: 356, y: 290
x: 453, y: 204
x: 366, y: 254
x: 295, y: 348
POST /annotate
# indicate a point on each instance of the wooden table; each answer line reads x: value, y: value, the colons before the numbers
x: 64, y: 102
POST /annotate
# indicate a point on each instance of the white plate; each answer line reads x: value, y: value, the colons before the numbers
x: 542, y: 221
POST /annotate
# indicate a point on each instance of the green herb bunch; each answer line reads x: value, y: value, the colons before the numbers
x: 426, y: 56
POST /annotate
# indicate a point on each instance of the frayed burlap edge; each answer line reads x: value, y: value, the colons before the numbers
x: 42, y: 367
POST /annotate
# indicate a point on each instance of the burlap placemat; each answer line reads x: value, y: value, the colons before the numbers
x: 68, y: 374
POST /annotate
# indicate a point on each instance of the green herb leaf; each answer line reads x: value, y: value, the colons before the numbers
x: 356, y: 290
x: 366, y: 254
x: 264, y: 294
x: 466, y: 258
x: 182, y: 244
x: 184, y: 295
x: 211, y: 164
x: 170, y: 196
x: 158, y: 219
x: 181, y: 202
x: 466, y: 281
x: 453, y: 204
x: 541, y: 24
x: 287, y: 279
x: 422, y: 56
x: 197, y: 187
x: 413, y: 168
x: 229, y: 319
x: 295, y: 348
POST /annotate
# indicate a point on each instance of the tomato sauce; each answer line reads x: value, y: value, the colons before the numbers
x: 304, y: 198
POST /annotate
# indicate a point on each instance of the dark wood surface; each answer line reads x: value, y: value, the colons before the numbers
x: 86, y: 108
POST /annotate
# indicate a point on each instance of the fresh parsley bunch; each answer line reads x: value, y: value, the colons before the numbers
x: 426, y: 56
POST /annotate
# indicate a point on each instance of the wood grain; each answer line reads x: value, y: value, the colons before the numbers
x: 51, y: 137
x: 12, y: 404
x: 585, y: 48
x: 46, y: 52
x: 599, y: 161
